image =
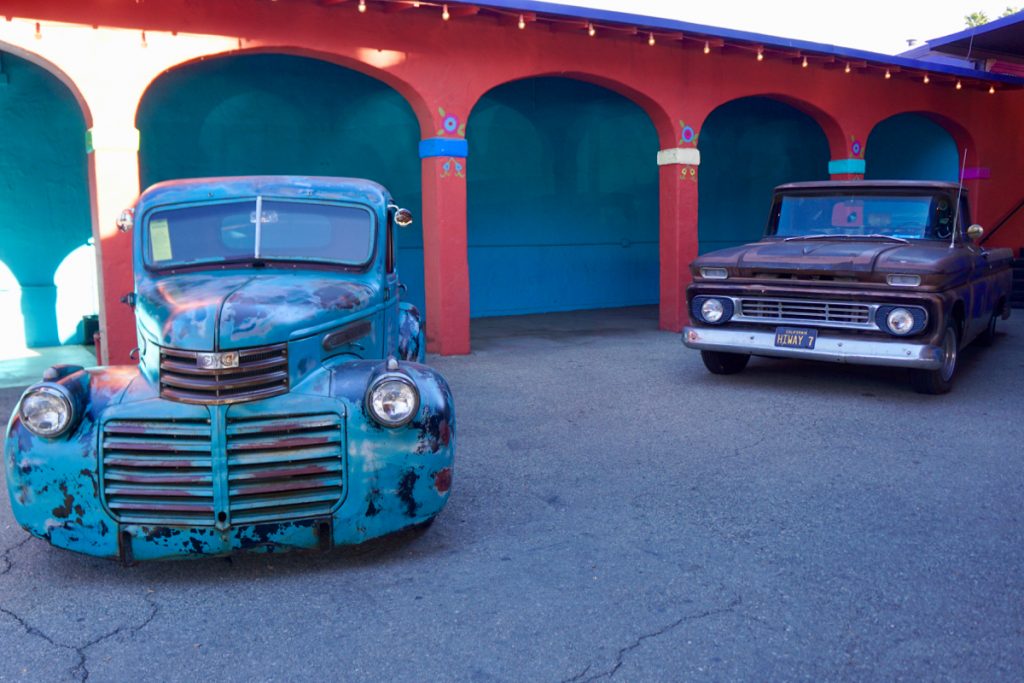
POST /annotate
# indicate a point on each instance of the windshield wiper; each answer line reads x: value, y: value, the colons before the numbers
x: 875, y: 236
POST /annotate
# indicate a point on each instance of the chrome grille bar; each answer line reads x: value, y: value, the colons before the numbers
x: 262, y: 372
x: 840, y: 314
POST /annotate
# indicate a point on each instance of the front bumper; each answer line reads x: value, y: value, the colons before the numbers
x: 840, y: 349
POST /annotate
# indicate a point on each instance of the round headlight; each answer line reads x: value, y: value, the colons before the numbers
x: 46, y: 411
x: 712, y: 310
x: 393, y: 400
x: 900, y: 321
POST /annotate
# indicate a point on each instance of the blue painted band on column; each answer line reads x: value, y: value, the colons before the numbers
x: 444, y: 147
x: 850, y: 166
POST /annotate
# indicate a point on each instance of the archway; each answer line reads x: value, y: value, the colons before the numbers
x: 562, y: 199
x: 12, y: 341
x: 284, y: 114
x: 911, y: 147
x: 44, y: 199
x: 747, y: 147
x: 77, y: 294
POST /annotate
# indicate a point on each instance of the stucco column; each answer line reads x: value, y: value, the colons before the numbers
x: 445, y: 261
x: 677, y: 176
x: 114, y: 182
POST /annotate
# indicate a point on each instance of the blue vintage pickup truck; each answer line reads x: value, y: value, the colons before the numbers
x: 279, y: 402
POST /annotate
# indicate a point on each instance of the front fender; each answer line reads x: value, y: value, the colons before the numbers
x: 54, y: 483
x: 398, y: 476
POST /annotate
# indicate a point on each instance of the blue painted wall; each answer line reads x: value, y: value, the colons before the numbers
x: 254, y: 114
x: 910, y: 147
x: 563, y: 200
x: 747, y: 147
x: 44, y: 196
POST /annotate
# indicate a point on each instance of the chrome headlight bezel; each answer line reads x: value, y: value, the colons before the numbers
x: 378, y: 385
x: 64, y: 399
x: 918, y: 313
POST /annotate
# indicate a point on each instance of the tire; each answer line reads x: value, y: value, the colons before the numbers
x: 988, y: 337
x: 721, y: 363
x: 940, y: 381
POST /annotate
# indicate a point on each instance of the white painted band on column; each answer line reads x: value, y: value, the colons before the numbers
x: 682, y: 156
x: 98, y: 137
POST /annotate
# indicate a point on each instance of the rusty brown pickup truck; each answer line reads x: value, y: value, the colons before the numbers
x: 868, y: 272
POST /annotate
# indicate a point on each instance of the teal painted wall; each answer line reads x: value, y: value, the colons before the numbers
x: 268, y: 114
x: 562, y: 200
x: 747, y: 147
x: 910, y: 147
x: 44, y: 193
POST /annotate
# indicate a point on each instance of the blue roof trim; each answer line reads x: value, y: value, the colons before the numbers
x: 444, y: 147
x: 977, y: 30
x: 847, y: 166
x: 660, y: 24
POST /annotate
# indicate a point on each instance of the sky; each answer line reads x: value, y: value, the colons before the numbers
x: 882, y: 26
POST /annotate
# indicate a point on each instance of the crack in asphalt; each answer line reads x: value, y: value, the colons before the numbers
x: 620, y: 657
x: 79, y: 671
x: 8, y: 563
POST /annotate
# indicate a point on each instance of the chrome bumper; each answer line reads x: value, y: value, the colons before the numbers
x: 832, y: 349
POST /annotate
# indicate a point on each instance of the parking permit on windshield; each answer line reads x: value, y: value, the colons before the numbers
x: 160, y: 239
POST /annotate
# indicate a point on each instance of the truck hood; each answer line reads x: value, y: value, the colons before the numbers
x: 204, y: 312
x: 839, y: 257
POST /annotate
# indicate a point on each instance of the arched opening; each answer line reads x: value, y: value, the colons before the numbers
x: 747, y: 147
x: 12, y: 341
x: 562, y: 199
x: 284, y: 114
x: 77, y: 294
x: 911, y: 147
x: 44, y: 196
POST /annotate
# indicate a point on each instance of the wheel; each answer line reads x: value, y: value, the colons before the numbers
x: 721, y: 363
x: 987, y: 337
x: 940, y: 380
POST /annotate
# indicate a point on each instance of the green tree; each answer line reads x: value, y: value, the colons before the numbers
x: 976, y: 19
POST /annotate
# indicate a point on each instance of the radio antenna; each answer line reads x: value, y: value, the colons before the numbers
x: 956, y: 213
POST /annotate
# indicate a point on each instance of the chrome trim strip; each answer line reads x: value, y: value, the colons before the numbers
x: 832, y: 349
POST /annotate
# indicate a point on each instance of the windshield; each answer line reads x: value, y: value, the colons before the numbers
x: 897, y: 215
x: 288, y: 231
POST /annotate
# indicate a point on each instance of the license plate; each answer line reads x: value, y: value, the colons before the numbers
x: 795, y: 337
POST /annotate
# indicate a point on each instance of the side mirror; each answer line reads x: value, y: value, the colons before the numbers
x: 126, y: 220
x: 975, y: 232
x: 403, y: 218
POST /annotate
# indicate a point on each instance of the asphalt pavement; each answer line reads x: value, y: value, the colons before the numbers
x: 617, y: 513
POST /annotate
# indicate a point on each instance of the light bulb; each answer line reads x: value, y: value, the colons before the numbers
x: 804, y: 63
x: 760, y: 54
x: 362, y: 5
x: 926, y: 80
x: 707, y: 47
x: 991, y: 90
x: 522, y: 22
x: 445, y: 14
x: 959, y: 85
x: 650, y: 39
x: 847, y: 68
x: 591, y: 31
x: 888, y: 74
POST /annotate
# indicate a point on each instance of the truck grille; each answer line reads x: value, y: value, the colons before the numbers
x: 262, y: 372
x: 163, y: 472
x: 158, y: 471
x: 284, y: 467
x: 832, y: 313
